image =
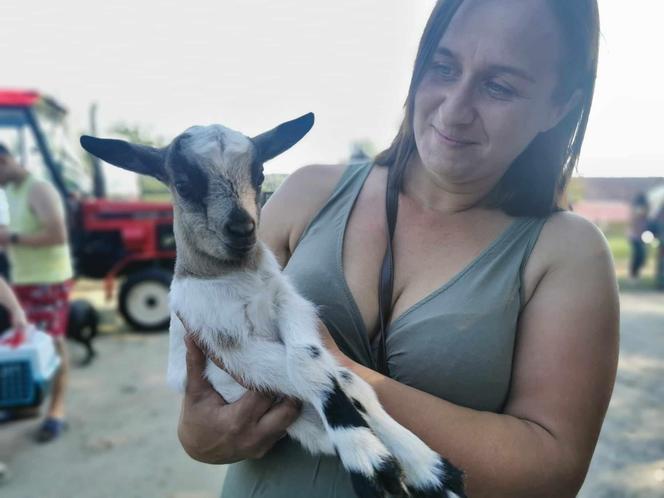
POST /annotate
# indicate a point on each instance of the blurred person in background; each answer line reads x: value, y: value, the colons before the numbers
x: 638, y: 224
x: 40, y: 268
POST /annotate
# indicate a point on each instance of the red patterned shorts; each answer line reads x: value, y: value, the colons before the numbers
x: 46, y: 305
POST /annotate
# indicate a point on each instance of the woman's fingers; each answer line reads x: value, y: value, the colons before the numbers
x: 253, y: 405
x: 280, y: 417
x: 197, y: 387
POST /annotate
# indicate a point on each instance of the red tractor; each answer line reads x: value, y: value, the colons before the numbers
x: 110, y: 239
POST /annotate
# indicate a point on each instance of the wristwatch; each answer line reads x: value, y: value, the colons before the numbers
x: 13, y: 238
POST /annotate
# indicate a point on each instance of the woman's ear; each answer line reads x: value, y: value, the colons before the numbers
x: 561, y: 110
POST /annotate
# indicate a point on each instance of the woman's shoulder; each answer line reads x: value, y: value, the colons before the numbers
x: 294, y: 204
x: 568, y: 236
x: 571, y: 245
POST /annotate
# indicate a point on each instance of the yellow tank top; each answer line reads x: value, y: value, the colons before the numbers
x: 33, y: 265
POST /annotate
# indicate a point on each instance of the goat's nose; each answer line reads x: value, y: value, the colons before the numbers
x: 240, y: 224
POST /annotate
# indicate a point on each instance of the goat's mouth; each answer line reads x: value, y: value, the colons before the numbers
x: 239, y: 247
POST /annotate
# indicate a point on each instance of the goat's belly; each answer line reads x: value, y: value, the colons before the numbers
x: 262, y: 365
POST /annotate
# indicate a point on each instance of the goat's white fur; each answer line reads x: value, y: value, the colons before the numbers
x: 271, y: 329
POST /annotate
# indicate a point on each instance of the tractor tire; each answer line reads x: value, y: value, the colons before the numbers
x: 143, y: 300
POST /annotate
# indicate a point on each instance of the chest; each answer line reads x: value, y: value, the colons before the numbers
x: 229, y: 306
x: 429, y: 252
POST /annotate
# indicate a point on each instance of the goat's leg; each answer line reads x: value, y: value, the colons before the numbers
x: 426, y: 474
x: 373, y: 469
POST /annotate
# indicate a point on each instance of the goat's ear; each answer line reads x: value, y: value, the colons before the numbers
x: 138, y: 158
x: 272, y: 143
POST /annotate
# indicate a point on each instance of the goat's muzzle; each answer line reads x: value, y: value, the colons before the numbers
x: 240, y: 232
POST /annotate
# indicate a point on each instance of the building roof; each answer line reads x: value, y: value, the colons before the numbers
x: 615, y: 189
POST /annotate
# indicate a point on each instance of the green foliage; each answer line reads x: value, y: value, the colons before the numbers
x: 272, y: 182
x: 575, y: 190
x: 137, y: 133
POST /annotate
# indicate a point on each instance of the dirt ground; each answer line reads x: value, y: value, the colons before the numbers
x: 122, y: 440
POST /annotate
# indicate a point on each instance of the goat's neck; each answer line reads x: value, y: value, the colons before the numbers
x: 191, y: 262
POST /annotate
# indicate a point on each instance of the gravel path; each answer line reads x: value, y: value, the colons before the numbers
x: 122, y: 440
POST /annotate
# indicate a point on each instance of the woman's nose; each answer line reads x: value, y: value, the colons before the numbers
x: 457, y: 108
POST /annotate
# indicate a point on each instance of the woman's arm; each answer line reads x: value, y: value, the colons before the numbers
x: 563, y: 375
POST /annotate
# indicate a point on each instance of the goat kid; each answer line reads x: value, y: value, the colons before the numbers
x: 228, y: 289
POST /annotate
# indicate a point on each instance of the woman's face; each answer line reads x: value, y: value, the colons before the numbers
x: 488, y: 90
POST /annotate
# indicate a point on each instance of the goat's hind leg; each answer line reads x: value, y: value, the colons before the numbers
x: 372, y: 468
x: 426, y: 473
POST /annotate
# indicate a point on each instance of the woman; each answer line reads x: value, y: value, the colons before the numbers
x: 503, y: 342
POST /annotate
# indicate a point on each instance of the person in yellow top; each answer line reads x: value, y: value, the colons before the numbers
x: 40, y: 267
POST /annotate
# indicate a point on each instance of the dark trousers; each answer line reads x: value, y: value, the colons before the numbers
x: 638, y: 257
x: 4, y: 266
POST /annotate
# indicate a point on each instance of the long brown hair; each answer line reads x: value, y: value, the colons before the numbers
x: 534, y: 183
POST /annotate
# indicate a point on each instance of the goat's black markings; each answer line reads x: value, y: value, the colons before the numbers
x: 339, y: 410
x: 365, y: 487
x: 453, y: 477
x: 314, y: 351
x: 189, y: 180
x: 359, y: 406
x: 389, y: 474
x: 450, y: 477
x: 346, y: 376
x: 386, y: 479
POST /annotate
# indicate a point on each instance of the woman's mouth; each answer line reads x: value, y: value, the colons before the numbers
x: 452, y: 141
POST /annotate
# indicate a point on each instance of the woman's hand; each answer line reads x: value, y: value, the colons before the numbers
x: 214, y: 431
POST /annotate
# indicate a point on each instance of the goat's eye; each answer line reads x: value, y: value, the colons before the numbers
x: 185, y: 190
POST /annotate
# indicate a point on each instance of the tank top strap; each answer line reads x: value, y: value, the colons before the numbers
x: 513, y: 251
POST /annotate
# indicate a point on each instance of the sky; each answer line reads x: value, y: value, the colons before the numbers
x: 251, y: 64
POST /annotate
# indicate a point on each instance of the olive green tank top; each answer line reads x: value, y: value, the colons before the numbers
x: 28, y: 264
x: 457, y: 343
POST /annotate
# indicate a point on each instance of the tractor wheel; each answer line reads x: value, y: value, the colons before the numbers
x: 143, y: 300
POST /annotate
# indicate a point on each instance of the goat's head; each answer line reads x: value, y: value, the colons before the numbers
x: 215, y: 176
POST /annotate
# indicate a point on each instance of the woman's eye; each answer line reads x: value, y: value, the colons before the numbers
x: 498, y: 91
x: 444, y: 70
